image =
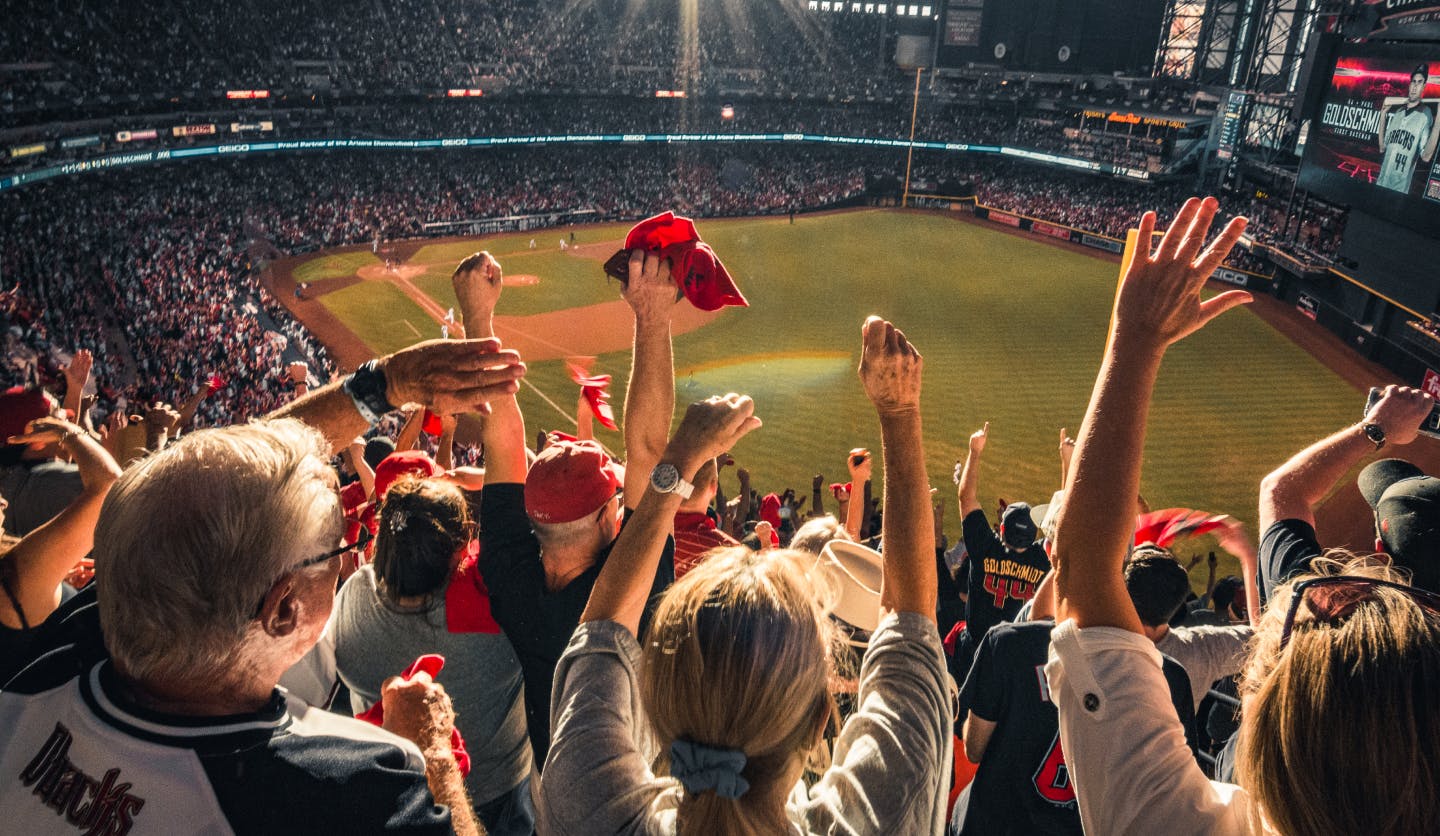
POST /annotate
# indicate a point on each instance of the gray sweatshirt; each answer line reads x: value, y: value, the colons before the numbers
x: 889, y: 764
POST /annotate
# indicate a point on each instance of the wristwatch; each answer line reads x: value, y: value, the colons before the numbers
x: 366, y: 387
x: 1375, y: 433
x: 665, y: 478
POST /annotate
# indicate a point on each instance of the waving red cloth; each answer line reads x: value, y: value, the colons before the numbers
x: 1165, y: 527
x: 593, y: 387
x: 431, y: 663
x: 693, y: 265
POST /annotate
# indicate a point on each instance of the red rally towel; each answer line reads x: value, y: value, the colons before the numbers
x: 467, y: 601
x: 693, y: 265
x: 1165, y: 527
x: 593, y: 387
x: 431, y: 663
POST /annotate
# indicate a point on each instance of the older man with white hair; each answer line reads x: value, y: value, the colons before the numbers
x: 216, y: 563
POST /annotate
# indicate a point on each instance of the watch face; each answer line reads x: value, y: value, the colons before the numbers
x: 664, y: 478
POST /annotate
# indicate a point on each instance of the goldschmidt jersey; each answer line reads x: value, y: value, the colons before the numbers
x: 1405, y: 134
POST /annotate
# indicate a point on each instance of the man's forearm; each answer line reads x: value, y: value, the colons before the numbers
x: 969, y: 484
x: 1294, y: 489
x: 908, y: 583
x: 331, y: 411
x: 649, y: 399
x: 447, y: 785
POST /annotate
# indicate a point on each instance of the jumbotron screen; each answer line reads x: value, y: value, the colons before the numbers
x: 1373, y: 142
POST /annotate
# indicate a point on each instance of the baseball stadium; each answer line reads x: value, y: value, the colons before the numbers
x: 408, y: 262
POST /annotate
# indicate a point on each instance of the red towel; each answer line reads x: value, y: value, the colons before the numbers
x: 431, y: 663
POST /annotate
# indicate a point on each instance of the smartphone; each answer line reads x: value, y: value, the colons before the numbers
x: 1431, y: 427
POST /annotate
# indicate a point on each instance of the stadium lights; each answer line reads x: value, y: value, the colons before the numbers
x: 902, y: 10
x: 464, y: 92
x: 247, y: 94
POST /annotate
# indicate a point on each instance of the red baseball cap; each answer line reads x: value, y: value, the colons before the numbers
x: 406, y: 463
x: 570, y: 479
x: 20, y: 406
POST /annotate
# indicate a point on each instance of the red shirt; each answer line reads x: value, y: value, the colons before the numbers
x: 696, y: 534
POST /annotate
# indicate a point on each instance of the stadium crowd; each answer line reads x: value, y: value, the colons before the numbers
x: 562, y: 642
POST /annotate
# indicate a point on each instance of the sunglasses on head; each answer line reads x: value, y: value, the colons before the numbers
x: 1334, y: 598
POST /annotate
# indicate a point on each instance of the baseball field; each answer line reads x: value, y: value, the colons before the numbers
x: 1011, y: 328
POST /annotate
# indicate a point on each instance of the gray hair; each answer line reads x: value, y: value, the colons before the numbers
x: 191, y: 538
x: 813, y: 535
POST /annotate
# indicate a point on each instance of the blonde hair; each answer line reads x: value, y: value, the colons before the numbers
x: 1341, y: 728
x: 738, y: 657
x: 814, y: 534
x: 189, y: 539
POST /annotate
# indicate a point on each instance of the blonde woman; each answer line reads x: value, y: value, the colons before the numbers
x: 731, y: 687
x: 1341, y: 725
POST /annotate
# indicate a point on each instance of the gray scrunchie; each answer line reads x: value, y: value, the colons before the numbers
x: 700, y: 768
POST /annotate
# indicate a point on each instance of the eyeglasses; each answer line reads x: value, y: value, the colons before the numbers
x: 1335, y: 597
x: 361, y: 541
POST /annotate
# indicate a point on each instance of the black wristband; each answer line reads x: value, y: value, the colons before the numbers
x: 366, y: 387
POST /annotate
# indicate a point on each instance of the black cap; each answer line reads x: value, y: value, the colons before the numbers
x: 1017, y: 526
x: 1407, y: 517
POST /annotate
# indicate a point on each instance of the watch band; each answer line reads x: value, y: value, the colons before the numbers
x: 366, y: 388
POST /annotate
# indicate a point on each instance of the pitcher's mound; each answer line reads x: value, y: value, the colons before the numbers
x: 521, y: 280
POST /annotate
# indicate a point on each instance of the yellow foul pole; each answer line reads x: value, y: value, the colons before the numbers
x: 910, y: 153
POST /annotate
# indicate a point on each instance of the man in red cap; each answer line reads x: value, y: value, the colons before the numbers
x: 546, y: 533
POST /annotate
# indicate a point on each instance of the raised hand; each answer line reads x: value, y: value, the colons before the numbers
x: 860, y: 464
x: 46, y: 431
x: 477, y: 282
x: 890, y: 367
x: 649, y: 290
x: 979, y: 437
x: 452, y: 376
x: 1401, y: 412
x: 78, y: 372
x: 710, y: 427
x: 1159, y: 300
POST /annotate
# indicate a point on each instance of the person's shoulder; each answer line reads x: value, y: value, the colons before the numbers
x: 344, y: 773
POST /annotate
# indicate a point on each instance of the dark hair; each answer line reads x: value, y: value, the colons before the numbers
x: 376, y: 449
x: 422, y: 523
x: 1223, y: 595
x: 1157, y: 584
x: 1421, y: 70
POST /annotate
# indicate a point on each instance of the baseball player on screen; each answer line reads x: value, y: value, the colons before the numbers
x: 1406, y: 134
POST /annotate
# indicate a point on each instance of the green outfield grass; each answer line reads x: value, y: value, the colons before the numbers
x: 382, y: 315
x: 334, y: 266
x: 1011, y: 329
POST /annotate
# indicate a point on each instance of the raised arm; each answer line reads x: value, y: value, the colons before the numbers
x: 970, y: 472
x: 450, y: 376
x: 709, y: 428
x: 355, y: 453
x: 77, y: 374
x: 650, y: 396
x: 890, y: 369
x: 477, y: 283
x: 1158, y: 304
x: 46, y: 555
x: 1292, y: 491
x: 445, y: 447
x: 860, y: 464
x: 409, y: 435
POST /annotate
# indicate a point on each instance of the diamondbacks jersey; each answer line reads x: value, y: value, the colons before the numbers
x: 78, y: 758
x: 1406, y: 132
x: 1022, y: 786
x: 999, y: 581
